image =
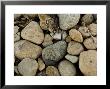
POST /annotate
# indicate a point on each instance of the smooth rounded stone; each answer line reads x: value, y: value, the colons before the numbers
x: 66, y: 68
x: 41, y: 64
x: 74, y: 48
x: 67, y: 21
x: 16, y: 69
x: 16, y: 16
x: 52, y: 71
x: 71, y: 58
x: 93, y: 29
x: 84, y: 31
x: 57, y: 36
x: 68, y: 39
x: 25, y: 49
x: 90, y: 43
x: 53, y: 53
x: 33, y: 33
x: 64, y: 35
x: 16, y: 34
x: 28, y: 67
x: 87, y: 18
x: 76, y: 35
x: 88, y: 62
x: 47, y: 40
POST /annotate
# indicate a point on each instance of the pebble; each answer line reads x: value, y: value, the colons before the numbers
x: 88, y: 62
x: 41, y: 64
x: 93, y: 29
x: 16, y: 69
x: 90, y: 43
x: 66, y: 68
x: 76, y: 35
x: 57, y: 36
x: 28, y: 67
x: 67, y: 21
x: 87, y: 19
x: 25, y: 49
x: 33, y: 33
x: 52, y: 71
x: 53, y: 53
x: 42, y: 73
x: 68, y: 39
x: 64, y: 35
x: 16, y: 34
x: 71, y: 58
x: 74, y: 48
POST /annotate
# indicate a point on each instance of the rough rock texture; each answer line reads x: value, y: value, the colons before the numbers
x: 25, y: 49
x: 28, y: 67
x: 41, y: 64
x: 67, y: 21
x: 88, y: 62
x: 74, y: 48
x: 53, y: 53
x: 76, y: 35
x: 33, y: 33
x: 52, y: 71
x: 16, y: 34
x: 66, y: 68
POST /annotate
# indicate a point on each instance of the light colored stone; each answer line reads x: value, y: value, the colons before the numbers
x: 88, y: 62
x: 76, y: 35
x: 68, y: 39
x: 67, y: 21
x: 28, y: 67
x: 57, y: 36
x: 25, y: 49
x: 52, y: 71
x: 66, y: 68
x: 71, y: 58
x: 64, y: 35
x: 16, y: 34
x: 41, y: 64
x: 74, y: 48
x: 33, y: 33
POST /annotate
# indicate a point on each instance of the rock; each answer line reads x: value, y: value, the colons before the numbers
x: 93, y: 29
x: 16, y: 69
x: 67, y: 21
x: 47, y: 40
x: 76, y: 35
x: 25, y: 49
x: 53, y: 53
x: 84, y: 31
x: 42, y: 73
x: 28, y: 67
x: 57, y: 36
x: 68, y: 39
x: 66, y: 68
x: 64, y: 35
x: 41, y: 64
x: 90, y: 43
x: 87, y: 19
x: 74, y: 48
x: 33, y: 33
x: 16, y: 34
x: 52, y: 71
x: 88, y: 62
x: 71, y: 58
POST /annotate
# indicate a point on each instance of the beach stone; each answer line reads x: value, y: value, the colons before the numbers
x: 90, y: 43
x: 93, y: 29
x: 16, y: 34
x: 87, y: 19
x: 57, y: 36
x: 74, y: 48
x: 52, y: 71
x: 67, y: 21
x: 64, y: 35
x: 33, y: 33
x: 53, y: 53
x: 66, y: 68
x: 72, y: 59
x: 41, y: 64
x: 88, y: 62
x: 25, y: 49
x: 28, y: 67
x: 68, y: 39
x: 76, y: 35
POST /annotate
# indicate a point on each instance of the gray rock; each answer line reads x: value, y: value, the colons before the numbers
x: 16, y: 34
x: 53, y: 53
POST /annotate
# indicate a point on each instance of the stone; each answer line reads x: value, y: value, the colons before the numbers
x: 68, y: 39
x: 16, y: 69
x: 53, y: 53
x: 52, y: 71
x: 64, y: 35
x: 25, y: 49
x: 76, y: 35
x: 87, y: 19
x: 72, y: 59
x: 66, y: 68
x: 93, y: 29
x: 41, y: 64
x: 74, y: 48
x: 88, y: 62
x: 16, y: 34
x: 67, y: 21
x: 28, y: 67
x: 42, y: 73
x: 90, y: 43
x: 57, y: 36
x: 32, y: 32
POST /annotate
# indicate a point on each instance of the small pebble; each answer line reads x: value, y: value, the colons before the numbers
x: 68, y: 39
x: 41, y: 64
x: 16, y: 34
